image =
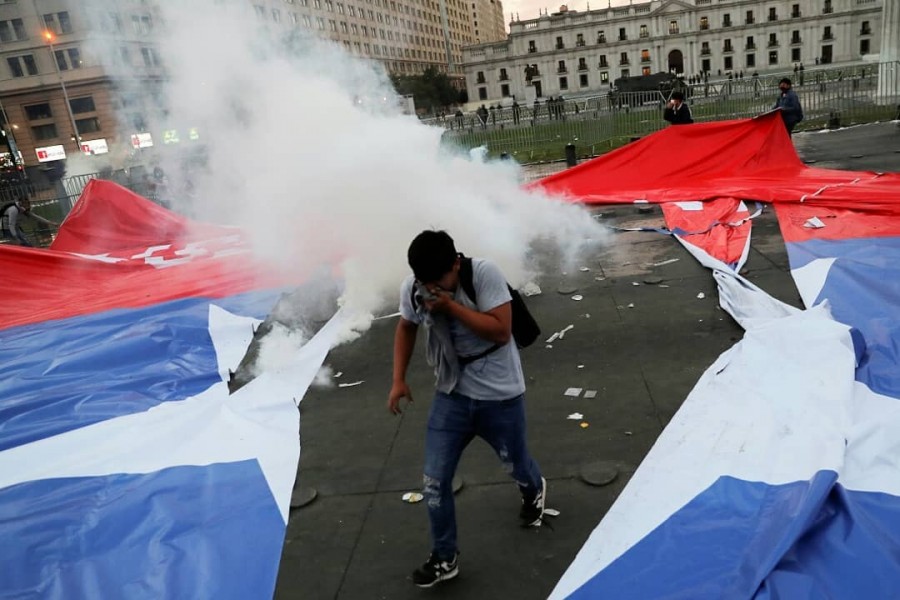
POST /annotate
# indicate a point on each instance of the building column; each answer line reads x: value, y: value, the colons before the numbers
x: 889, y: 54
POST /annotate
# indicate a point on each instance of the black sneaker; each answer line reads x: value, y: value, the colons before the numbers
x: 436, y: 570
x: 532, y: 512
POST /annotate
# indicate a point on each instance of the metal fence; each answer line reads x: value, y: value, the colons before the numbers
x: 831, y: 97
x: 54, y: 200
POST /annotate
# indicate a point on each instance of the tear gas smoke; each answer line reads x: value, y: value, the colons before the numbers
x: 306, y: 150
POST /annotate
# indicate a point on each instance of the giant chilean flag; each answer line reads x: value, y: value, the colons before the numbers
x: 126, y: 468
x: 780, y: 475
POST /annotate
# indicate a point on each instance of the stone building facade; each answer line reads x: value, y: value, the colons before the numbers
x: 581, y: 53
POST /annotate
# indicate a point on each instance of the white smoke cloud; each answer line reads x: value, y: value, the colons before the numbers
x: 307, y: 152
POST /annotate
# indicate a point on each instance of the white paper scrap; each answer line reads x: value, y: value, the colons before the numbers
x: 573, y: 392
x: 552, y: 338
x: 666, y: 262
x: 701, y: 295
x: 584, y: 269
x: 354, y: 384
x: 814, y: 223
x: 575, y: 417
x: 562, y: 333
x: 590, y: 394
x: 577, y: 297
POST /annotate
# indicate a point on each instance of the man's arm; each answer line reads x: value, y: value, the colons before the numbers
x: 669, y: 114
x: 404, y: 343
x: 41, y: 219
x: 494, y: 325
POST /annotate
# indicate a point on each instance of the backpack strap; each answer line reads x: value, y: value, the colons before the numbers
x: 467, y: 278
x: 467, y: 283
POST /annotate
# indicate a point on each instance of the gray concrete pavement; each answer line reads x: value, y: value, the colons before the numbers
x: 358, y: 540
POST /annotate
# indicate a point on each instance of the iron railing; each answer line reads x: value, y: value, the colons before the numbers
x: 830, y: 97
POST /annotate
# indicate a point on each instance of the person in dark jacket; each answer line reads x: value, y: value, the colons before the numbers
x: 789, y: 103
x: 677, y: 111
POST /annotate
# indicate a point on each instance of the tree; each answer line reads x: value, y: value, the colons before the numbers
x: 431, y: 90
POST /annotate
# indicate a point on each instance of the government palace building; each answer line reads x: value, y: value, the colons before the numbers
x: 574, y: 53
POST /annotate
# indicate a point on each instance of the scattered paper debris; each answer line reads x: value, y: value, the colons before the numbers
x: 338, y: 374
x: 628, y: 433
x: 354, y: 384
x: 562, y: 333
x: 814, y: 223
x: 631, y: 305
x: 412, y: 497
x: 599, y: 278
x: 580, y: 367
x: 531, y: 289
x: 575, y: 416
x: 584, y: 269
x: 635, y: 283
x: 577, y: 297
x: 701, y: 295
x: 585, y: 425
x: 663, y: 286
x: 666, y: 262
x: 573, y: 392
x: 552, y: 338
x: 548, y: 346
x: 588, y: 394
x: 587, y: 315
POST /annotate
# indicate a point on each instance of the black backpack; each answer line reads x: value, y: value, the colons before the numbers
x: 525, y: 329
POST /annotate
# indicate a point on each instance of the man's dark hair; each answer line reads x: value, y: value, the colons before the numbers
x: 678, y: 96
x: 431, y: 255
x: 785, y: 80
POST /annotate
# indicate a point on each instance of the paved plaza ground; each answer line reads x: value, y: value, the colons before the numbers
x: 358, y: 540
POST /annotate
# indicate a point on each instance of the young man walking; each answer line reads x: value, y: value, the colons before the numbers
x: 480, y: 388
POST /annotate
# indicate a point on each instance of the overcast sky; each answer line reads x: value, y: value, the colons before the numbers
x: 529, y: 9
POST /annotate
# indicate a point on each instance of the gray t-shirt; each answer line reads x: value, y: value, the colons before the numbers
x: 497, y: 376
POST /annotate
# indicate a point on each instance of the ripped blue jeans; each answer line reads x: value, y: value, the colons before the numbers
x: 453, y: 422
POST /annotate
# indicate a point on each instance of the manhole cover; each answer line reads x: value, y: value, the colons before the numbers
x: 599, y: 473
x: 653, y: 280
x: 567, y: 289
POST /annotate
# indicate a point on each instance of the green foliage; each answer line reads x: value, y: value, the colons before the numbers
x: 431, y: 90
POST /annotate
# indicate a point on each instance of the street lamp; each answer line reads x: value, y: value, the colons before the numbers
x: 48, y: 35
